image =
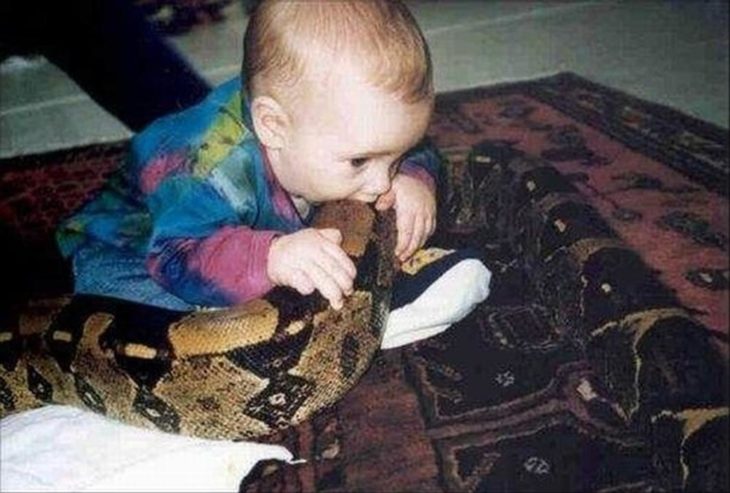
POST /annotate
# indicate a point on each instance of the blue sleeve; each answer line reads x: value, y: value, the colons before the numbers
x: 426, y: 157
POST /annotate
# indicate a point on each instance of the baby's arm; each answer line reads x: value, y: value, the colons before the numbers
x: 413, y: 194
x: 225, y: 268
x: 201, y: 253
x: 237, y: 264
x: 199, y: 248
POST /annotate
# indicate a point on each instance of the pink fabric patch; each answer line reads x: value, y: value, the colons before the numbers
x: 159, y: 169
x: 234, y: 260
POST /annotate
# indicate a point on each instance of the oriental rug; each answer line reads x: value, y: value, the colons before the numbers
x: 599, y: 360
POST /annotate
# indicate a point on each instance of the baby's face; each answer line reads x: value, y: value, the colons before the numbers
x: 347, y: 139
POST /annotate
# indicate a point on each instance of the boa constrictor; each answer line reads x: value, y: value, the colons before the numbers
x: 235, y: 373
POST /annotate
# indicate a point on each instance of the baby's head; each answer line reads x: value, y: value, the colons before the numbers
x: 339, y: 91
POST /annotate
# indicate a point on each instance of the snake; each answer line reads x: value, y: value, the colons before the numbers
x: 233, y: 373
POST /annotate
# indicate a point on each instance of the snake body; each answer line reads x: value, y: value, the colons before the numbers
x: 234, y: 373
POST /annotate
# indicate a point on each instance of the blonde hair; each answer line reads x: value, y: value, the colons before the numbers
x: 382, y: 34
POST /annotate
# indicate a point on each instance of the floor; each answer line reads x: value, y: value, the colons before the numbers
x: 671, y: 52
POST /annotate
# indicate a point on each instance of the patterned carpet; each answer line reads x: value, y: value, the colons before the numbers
x: 599, y: 361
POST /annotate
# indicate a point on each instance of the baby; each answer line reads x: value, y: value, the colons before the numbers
x: 212, y: 205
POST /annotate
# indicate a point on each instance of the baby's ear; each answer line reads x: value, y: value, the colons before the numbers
x: 270, y: 121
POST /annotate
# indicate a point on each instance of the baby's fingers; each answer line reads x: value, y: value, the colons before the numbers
x: 431, y: 229
x: 405, y: 232
x: 340, y: 258
x: 418, y: 238
x: 336, y: 253
x: 385, y: 201
x: 341, y: 274
x: 326, y: 285
x: 301, y: 282
x: 332, y: 234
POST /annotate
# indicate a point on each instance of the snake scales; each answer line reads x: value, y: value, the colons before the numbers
x: 235, y: 373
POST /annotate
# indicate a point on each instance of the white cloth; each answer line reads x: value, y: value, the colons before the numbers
x: 61, y: 448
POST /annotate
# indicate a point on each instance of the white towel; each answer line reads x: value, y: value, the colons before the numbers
x: 61, y: 448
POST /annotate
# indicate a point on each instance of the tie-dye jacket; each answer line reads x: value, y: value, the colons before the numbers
x: 197, y: 205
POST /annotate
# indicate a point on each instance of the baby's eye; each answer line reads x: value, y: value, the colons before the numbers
x: 358, y: 162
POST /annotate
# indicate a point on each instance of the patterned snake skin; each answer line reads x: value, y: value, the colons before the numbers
x: 235, y: 373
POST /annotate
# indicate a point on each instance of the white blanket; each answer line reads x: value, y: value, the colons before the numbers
x: 60, y: 448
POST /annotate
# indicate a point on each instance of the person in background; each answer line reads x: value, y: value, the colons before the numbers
x: 110, y: 50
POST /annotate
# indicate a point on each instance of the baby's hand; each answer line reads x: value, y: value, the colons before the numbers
x: 312, y: 259
x: 415, y: 208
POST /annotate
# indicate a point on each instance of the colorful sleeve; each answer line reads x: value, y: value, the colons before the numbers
x: 199, y: 251
x: 423, y: 162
